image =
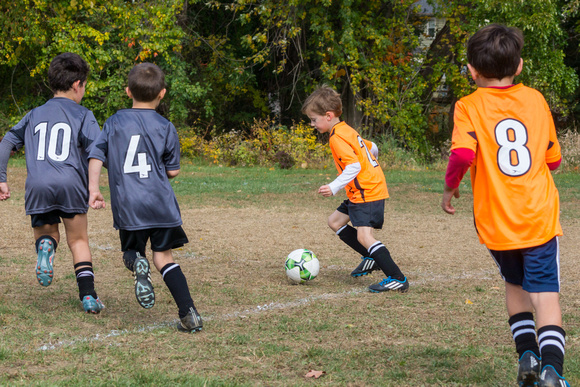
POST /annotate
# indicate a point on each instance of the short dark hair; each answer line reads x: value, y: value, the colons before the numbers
x: 65, y: 69
x: 146, y: 80
x: 322, y: 100
x: 495, y: 51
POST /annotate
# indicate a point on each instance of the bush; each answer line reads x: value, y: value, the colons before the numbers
x: 263, y: 144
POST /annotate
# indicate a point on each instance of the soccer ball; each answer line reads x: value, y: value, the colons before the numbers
x: 302, y: 265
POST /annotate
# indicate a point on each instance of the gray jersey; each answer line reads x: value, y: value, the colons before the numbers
x: 138, y: 146
x: 58, y: 137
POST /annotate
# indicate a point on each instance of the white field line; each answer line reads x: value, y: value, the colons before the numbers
x: 255, y: 310
x: 241, y: 314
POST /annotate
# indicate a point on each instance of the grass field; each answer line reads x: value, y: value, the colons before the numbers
x: 259, y: 330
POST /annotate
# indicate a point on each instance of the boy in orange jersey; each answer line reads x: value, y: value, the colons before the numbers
x: 506, y: 134
x: 362, y: 177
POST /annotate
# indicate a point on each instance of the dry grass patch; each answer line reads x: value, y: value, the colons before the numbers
x: 449, y: 330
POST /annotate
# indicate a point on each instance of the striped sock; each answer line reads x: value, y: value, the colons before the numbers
x: 382, y: 257
x: 552, y: 340
x: 177, y: 284
x: 348, y: 235
x: 524, y: 333
x: 85, y: 280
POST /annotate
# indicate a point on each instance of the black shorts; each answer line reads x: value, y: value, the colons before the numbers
x: 52, y: 217
x: 370, y: 214
x: 535, y: 269
x: 162, y: 239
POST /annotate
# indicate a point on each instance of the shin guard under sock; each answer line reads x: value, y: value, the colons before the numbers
x: 177, y: 284
x: 382, y: 257
x: 552, y: 340
x: 524, y: 333
x: 85, y: 279
x: 348, y: 235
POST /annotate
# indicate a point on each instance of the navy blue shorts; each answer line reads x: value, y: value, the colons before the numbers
x: 535, y: 269
x: 52, y: 217
x: 370, y: 214
x: 162, y: 239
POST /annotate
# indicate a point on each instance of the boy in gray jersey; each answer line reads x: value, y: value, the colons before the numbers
x: 58, y: 137
x: 141, y: 152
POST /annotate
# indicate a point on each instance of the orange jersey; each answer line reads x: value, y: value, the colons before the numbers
x: 348, y: 147
x: 511, y: 131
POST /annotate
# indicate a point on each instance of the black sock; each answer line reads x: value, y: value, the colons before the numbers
x: 85, y: 280
x: 347, y: 234
x: 382, y: 257
x: 552, y: 340
x: 524, y: 333
x: 177, y: 284
x: 46, y: 237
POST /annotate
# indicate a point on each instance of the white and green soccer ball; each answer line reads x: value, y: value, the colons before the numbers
x: 302, y: 265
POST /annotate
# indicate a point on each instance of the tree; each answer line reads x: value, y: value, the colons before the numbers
x: 112, y: 36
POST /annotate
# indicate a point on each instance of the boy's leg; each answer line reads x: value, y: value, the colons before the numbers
x: 523, y: 328
x: 78, y: 242
x: 338, y: 222
x: 47, y: 237
x: 177, y: 285
x: 395, y: 280
x: 133, y: 245
x: 551, y: 336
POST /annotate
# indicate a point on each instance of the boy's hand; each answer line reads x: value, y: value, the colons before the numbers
x: 325, y: 191
x: 96, y: 200
x: 448, y: 193
x: 4, y: 191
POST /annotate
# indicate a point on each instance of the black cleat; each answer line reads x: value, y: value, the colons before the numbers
x: 528, y: 370
x: 550, y: 378
x: 388, y: 284
x: 365, y: 267
x: 143, y: 286
x: 191, y: 322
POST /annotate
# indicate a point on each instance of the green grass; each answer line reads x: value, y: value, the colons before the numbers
x: 258, y: 329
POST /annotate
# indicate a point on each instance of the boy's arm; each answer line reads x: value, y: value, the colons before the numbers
x: 349, y: 173
x: 172, y: 174
x: 96, y: 199
x: 5, y: 150
x: 459, y: 162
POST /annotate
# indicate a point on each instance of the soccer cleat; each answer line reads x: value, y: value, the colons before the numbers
x: 365, y: 267
x: 44, y: 269
x: 92, y: 305
x: 390, y: 284
x: 191, y: 322
x: 528, y: 370
x: 550, y: 378
x: 143, y: 286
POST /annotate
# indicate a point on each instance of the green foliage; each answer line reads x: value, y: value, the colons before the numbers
x: 233, y: 62
x: 112, y: 36
x: 263, y: 144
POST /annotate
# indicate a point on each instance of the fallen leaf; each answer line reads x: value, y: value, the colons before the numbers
x: 468, y: 301
x: 314, y: 374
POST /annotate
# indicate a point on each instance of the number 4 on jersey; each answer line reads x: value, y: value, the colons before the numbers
x: 142, y: 168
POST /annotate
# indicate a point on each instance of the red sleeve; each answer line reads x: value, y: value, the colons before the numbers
x: 554, y: 165
x: 459, y: 162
